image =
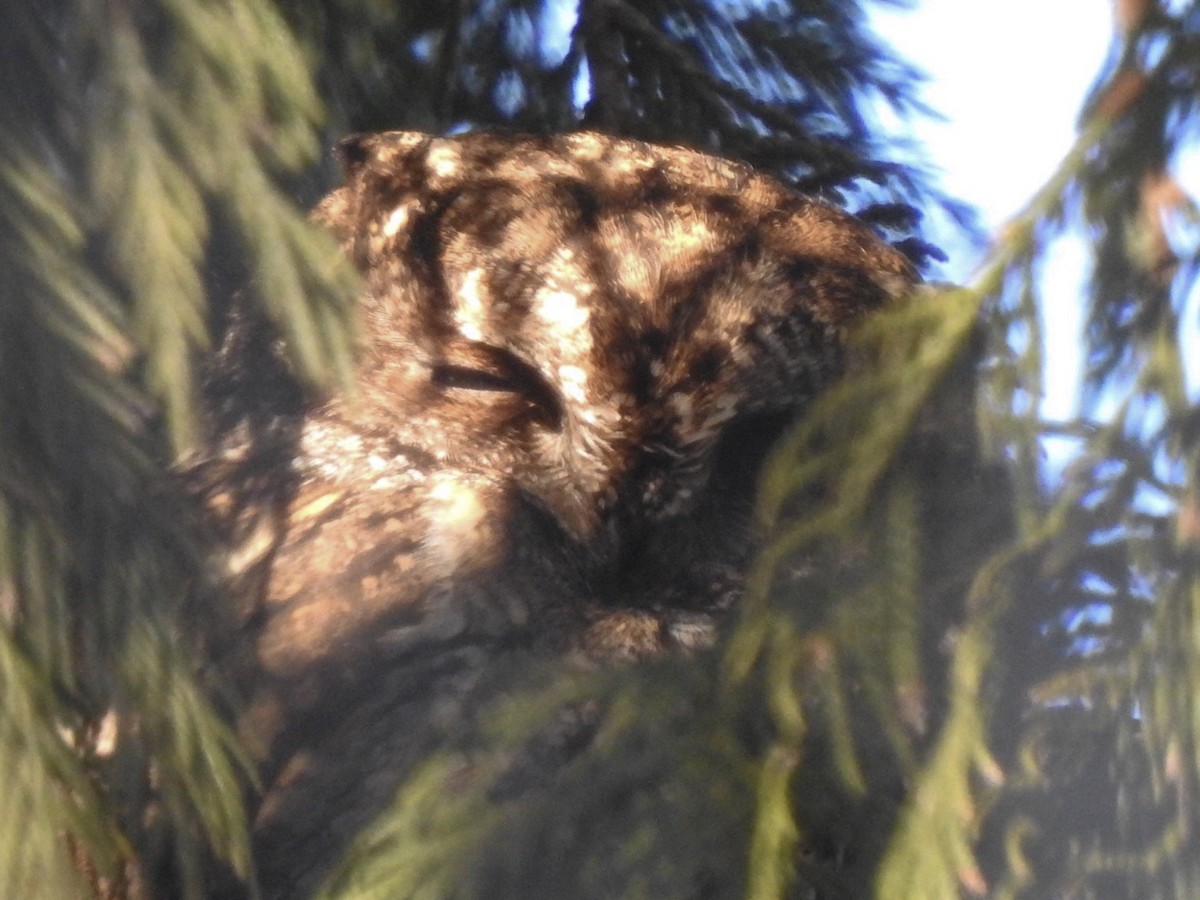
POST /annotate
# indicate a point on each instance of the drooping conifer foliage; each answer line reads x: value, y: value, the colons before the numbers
x: 142, y: 162
x: 1062, y: 761
x: 959, y: 671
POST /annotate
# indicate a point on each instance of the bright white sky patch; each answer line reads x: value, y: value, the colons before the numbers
x: 1010, y: 77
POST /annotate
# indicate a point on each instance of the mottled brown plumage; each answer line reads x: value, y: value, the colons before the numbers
x: 576, y: 351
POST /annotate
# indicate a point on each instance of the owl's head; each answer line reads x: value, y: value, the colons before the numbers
x: 615, y: 328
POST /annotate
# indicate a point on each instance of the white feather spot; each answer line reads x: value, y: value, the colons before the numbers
x: 397, y: 220
x: 561, y: 310
x: 574, y: 383
x: 585, y: 146
x: 455, y: 515
x: 468, y: 315
x: 682, y: 404
x: 443, y: 160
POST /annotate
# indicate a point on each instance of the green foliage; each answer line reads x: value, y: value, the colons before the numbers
x: 49, y: 794
x: 139, y: 137
x: 592, y: 787
x: 1062, y: 761
x: 954, y: 674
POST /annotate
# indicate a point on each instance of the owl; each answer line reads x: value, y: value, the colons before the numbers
x: 575, y: 353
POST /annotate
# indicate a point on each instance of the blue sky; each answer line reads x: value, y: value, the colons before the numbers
x: 1009, y: 76
x: 1000, y: 71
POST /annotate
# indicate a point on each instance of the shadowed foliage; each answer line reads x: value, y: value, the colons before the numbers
x: 958, y: 668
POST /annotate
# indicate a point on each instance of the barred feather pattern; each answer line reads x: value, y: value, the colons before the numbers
x: 575, y: 353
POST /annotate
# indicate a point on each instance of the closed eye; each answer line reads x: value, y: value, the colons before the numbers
x: 468, y: 379
x: 482, y: 367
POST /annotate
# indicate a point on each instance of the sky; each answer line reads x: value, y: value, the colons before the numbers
x: 1009, y: 77
x: 998, y: 69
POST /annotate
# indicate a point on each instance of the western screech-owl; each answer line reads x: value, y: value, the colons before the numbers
x: 576, y: 351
